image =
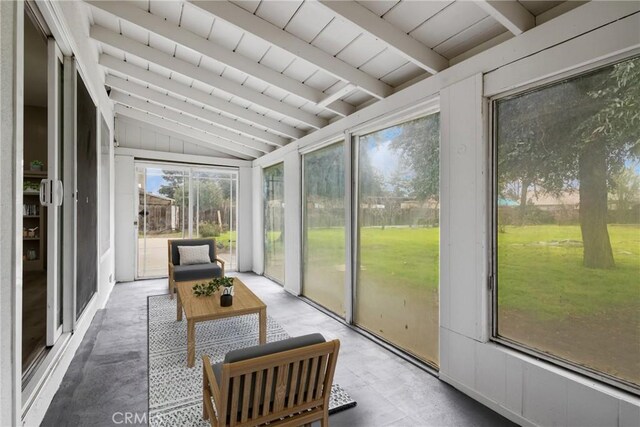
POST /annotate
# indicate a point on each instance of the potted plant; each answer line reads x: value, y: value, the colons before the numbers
x: 226, y: 296
x: 36, y: 165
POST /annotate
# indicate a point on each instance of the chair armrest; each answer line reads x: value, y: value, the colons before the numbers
x: 221, y: 262
x: 171, y: 268
x: 207, y: 371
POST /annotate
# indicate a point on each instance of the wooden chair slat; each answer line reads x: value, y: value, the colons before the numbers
x: 303, y: 381
x: 322, y: 368
x: 281, y: 387
x: 267, y: 392
x: 235, y: 392
x: 293, y: 388
x: 312, y: 379
x: 257, y: 391
x: 245, y: 397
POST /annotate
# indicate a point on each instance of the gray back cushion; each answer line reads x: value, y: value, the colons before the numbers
x: 273, y: 347
x: 175, y: 254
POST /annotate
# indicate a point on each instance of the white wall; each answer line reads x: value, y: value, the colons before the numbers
x: 138, y: 135
x: 292, y: 221
x: 245, y: 219
x: 125, y: 215
x: 258, y: 220
x: 526, y: 390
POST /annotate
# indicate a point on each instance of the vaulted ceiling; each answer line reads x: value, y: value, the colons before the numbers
x: 247, y: 77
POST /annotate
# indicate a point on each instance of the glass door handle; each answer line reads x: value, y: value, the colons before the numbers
x: 58, y: 193
x: 44, y: 192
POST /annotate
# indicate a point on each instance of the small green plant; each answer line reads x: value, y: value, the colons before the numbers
x: 30, y: 186
x: 205, y: 289
x: 36, y: 163
x: 225, y: 282
x: 208, y: 289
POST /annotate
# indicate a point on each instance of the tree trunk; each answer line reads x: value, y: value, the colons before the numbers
x: 523, y: 200
x: 592, y: 173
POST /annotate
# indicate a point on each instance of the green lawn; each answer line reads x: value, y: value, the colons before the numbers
x: 540, y: 266
x: 541, y: 271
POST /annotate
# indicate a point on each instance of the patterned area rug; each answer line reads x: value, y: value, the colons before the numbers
x: 175, y: 391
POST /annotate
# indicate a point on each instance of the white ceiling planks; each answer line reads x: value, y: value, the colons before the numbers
x: 395, y: 38
x: 254, y: 74
x: 177, y: 127
x: 124, y: 124
x: 193, y: 110
x: 188, y: 120
x: 287, y: 41
x: 243, y: 64
x: 197, y: 95
x: 169, y: 62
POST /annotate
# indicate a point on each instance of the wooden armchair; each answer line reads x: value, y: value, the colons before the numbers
x: 190, y: 273
x: 283, y: 383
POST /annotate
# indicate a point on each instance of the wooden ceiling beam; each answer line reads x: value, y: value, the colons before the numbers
x: 268, y: 32
x: 193, y: 110
x: 175, y: 87
x: 397, y: 40
x: 202, y: 75
x: 211, y: 140
x: 511, y: 14
x: 185, y: 38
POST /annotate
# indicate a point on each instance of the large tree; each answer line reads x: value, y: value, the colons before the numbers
x: 576, y: 133
x: 418, y: 142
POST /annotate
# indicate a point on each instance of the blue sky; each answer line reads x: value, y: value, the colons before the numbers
x: 154, y: 180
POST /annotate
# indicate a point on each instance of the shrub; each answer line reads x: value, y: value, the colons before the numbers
x: 208, y: 229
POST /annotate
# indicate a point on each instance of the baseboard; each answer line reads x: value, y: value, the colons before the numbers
x: 505, y: 412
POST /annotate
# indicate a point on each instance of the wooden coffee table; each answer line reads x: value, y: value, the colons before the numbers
x: 201, y: 309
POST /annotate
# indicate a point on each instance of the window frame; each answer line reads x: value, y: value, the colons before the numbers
x: 264, y: 225
x: 431, y: 106
x: 493, y: 281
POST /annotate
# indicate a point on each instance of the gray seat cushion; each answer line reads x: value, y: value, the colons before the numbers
x: 175, y: 254
x: 185, y: 273
x: 259, y: 351
x: 272, y: 347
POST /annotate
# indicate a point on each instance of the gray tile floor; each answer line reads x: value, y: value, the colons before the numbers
x: 108, y: 374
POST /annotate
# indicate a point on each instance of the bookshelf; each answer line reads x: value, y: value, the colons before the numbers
x: 34, y: 224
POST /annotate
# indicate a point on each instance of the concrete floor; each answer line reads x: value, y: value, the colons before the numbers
x: 108, y: 374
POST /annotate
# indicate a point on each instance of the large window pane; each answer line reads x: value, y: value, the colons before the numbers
x: 568, y: 220
x: 324, y: 254
x: 274, y: 222
x: 214, y: 213
x: 163, y: 214
x: 87, y: 200
x: 398, y: 204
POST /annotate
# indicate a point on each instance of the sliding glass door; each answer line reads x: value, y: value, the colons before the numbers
x: 324, y: 228
x: 179, y: 202
x: 214, y: 211
x: 396, y: 289
x: 274, y: 222
x: 163, y: 214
